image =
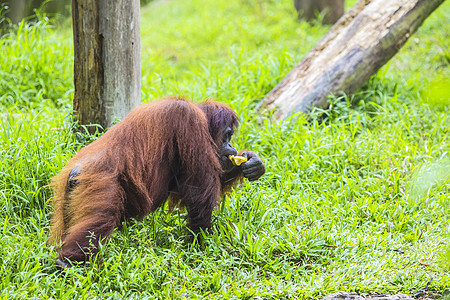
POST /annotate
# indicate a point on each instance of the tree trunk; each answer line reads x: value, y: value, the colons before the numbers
x: 308, y: 9
x: 107, y: 60
x: 57, y: 7
x: 16, y: 11
x: 362, y: 41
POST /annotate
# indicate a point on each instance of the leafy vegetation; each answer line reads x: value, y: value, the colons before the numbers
x: 356, y: 198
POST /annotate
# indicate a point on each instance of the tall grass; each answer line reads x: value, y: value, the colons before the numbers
x: 355, y: 198
x: 36, y: 68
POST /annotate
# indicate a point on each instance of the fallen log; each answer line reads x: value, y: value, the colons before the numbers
x: 361, y: 42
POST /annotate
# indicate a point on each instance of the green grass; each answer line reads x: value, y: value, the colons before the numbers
x: 350, y: 202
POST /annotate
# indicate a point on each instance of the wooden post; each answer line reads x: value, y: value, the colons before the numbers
x: 107, y: 60
x: 362, y: 41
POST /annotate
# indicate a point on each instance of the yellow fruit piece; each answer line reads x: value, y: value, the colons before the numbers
x: 237, y: 160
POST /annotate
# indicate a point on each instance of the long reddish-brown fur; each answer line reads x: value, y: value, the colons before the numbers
x: 164, y: 148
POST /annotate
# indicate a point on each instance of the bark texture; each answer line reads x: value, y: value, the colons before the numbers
x: 363, y: 40
x: 107, y: 60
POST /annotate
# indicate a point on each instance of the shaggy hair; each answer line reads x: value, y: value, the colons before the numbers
x: 164, y: 149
